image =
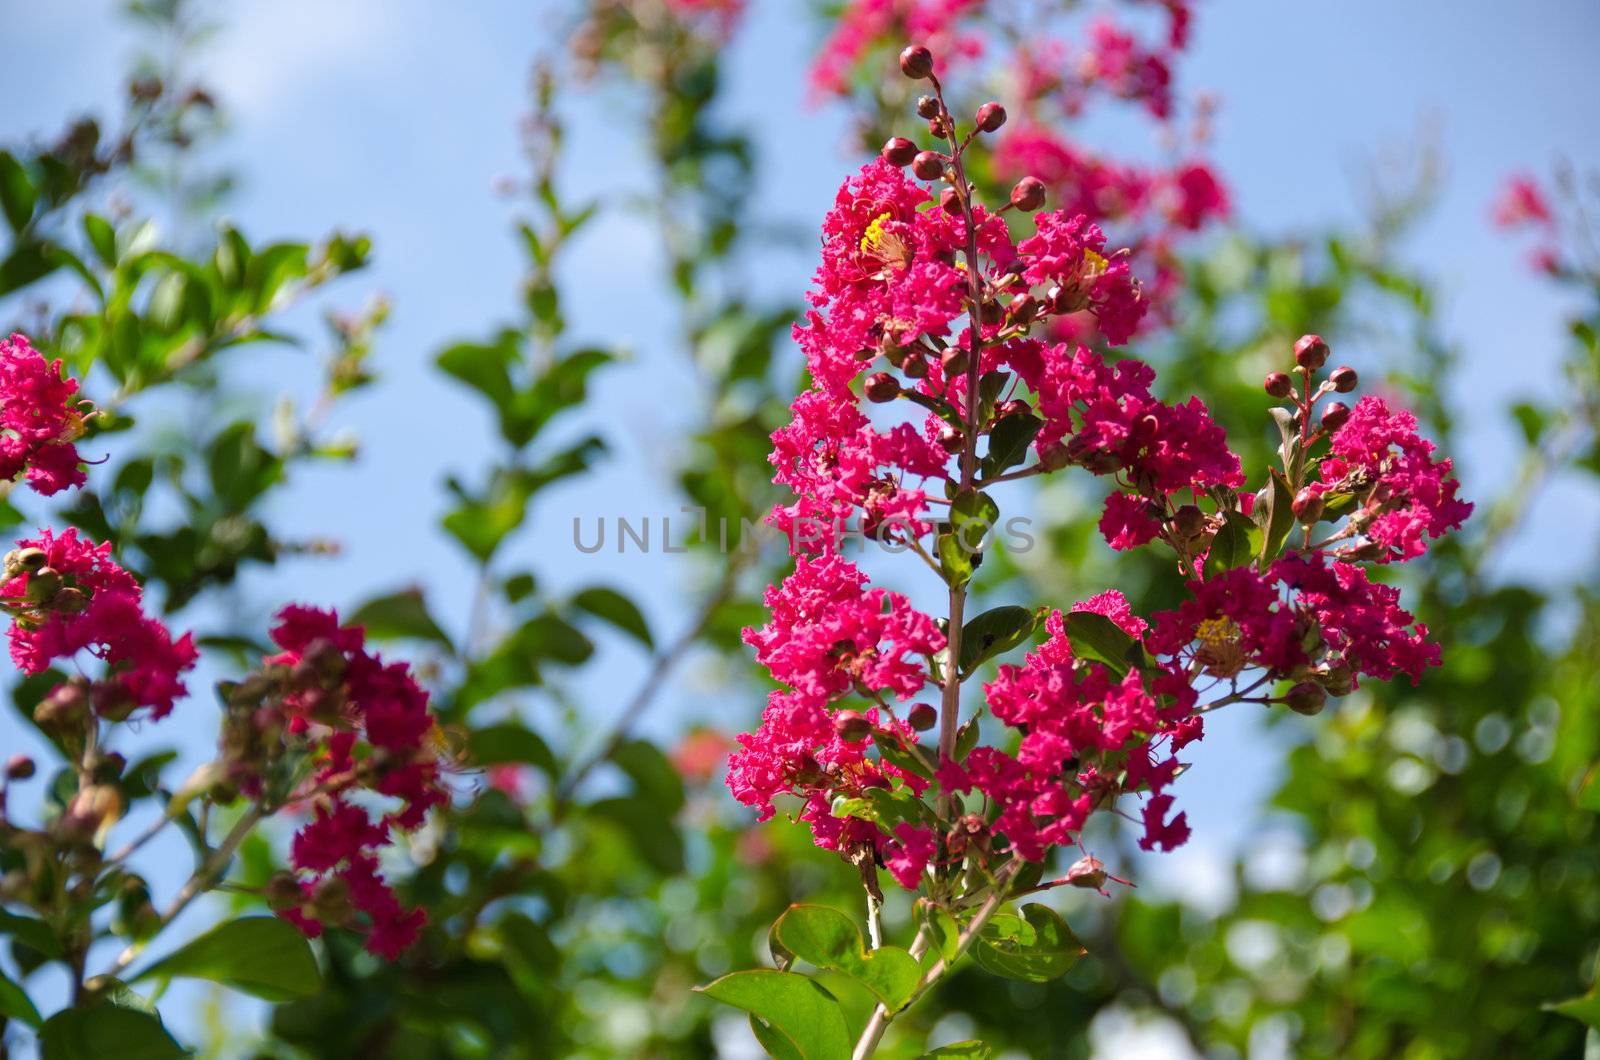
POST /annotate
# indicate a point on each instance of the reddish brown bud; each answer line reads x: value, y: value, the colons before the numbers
x: 1024, y: 309
x: 881, y: 387
x: 282, y: 892
x: 916, y: 62
x: 1306, y: 698
x: 1188, y: 522
x: 991, y: 116
x: 19, y: 767
x: 927, y: 107
x: 1340, y: 679
x: 1344, y: 379
x: 1278, y: 384
x: 1015, y: 407
x: 1088, y: 872
x: 1028, y: 194
x: 1307, y: 505
x: 1334, y: 416
x: 899, y: 151
x: 1311, y: 352
x: 1054, y: 456
x: 937, y: 129
x: 923, y: 717
x: 928, y: 165
x: 950, y: 202
x: 955, y: 361
x: 915, y: 366
x: 851, y: 726
x: 949, y: 438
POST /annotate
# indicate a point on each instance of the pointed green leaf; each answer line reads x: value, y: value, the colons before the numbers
x: 1035, y: 947
x: 1237, y: 543
x: 828, y: 939
x: 608, y: 605
x: 15, y: 1004
x: 797, y: 1011
x: 401, y: 615
x: 992, y: 633
x: 106, y: 1030
x: 260, y: 955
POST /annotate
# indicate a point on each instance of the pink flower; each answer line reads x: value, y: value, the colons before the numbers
x: 1404, y: 495
x: 92, y: 605
x: 371, y: 728
x: 1521, y: 202
x: 1195, y: 197
x: 39, y: 419
x: 1068, y: 251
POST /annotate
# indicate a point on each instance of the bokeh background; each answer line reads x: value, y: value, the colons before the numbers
x: 400, y: 120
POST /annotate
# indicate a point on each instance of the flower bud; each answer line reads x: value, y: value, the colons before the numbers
x: 1188, y: 522
x: 1306, y: 698
x: 1054, y: 456
x: 1340, y: 680
x: 851, y: 726
x: 1088, y: 872
x: 69, y: 601
x: 282, y: 892
x: 927, y: 107
x: 949, y: 438
x: 928, y: 165
x: 915, y: 366
x: 1334, y: 416
x: 991, y: 116
x: 899, y: 151
x: 1307, y: 506
x: 1028, y: 194
x: 1014, y: 407
x: 923, y: 717
x: 1344, y: 379
x: 936, y: 128
x: 881, y: 387
x: 42, y: 585
x: 330, y: 901
x: 1311, y: 352
x: 950, y: 202
x: 1024, y: 309
x: 1278, y: 384
x: 23, y: 561
x: 66, y: 706
x: 955, y: 361
x: 916, y: 62
x: 19, y: 767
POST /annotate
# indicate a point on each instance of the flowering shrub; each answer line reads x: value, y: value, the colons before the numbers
x: 927, y: 299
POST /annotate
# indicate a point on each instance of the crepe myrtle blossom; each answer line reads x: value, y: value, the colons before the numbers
x: 362, y: 731
x: 67, y: 597
x: 41, y: 416
x: 938, y: 377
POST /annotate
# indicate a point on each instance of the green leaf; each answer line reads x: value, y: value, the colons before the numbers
x: 1275, y: 517
x: 942, y: 929
x: 1589, y: 790
x: 1584, y: 1009
x: 955, y: 562
x: 15, y: 1003
x: 829, y: 939
x: 886, y: 808
x: 102, y: 237
x: 970, y: 1050
x: 797, y: 1011
x: 1035, y: 947
x: 106, y: 1030
x: 1008, y: 443
x: 890, y: 749
x: 1097, y: 638
x: 17, y: 193
x: 509, y: 743
x: 1237, y: 543
x: 608, y: 605
x: 33, y: 933
x: 992, y: 633
x: 260, y: 955
x: 401, y: 615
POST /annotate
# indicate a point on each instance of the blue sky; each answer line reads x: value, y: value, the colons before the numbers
x: 395, y: 116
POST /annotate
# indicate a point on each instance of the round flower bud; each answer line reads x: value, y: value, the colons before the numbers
x: 1340, y: 679
x: 852, y: 726
x: 928, y: 165
x: 916, y: 62
x: 1307, y: 505
x: 1028, y: 194
x: 955, y: 361
x: 1015, y: 407
x: 949, y: 438
x: 923, y: 717
x: 1054, y: 456
x: 19, y: 767
x: 927, y: 107
x: 1306, y: 698
x: 1024, y: 309
x: 915, y: 366
x: 899, y: 151
x: 1334, y: 416
x: 1278, y: 384
x: 1088, y: 872
x: 1189, y: 522
x: 881, y: 387
x: 283, y: 892
x: 950, y: 202
x: 1311, y: 352
x: 991, y: 116
x: 1344, y: 379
